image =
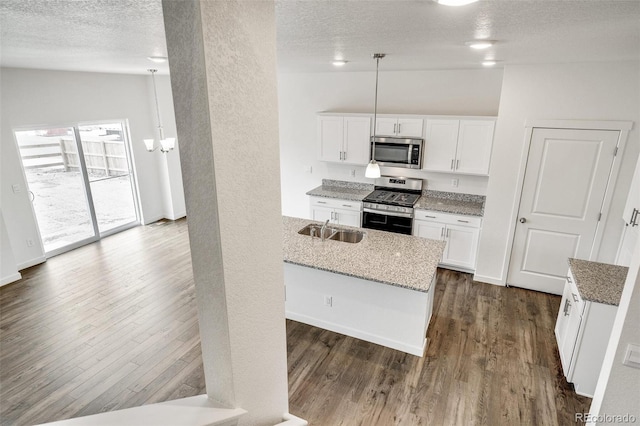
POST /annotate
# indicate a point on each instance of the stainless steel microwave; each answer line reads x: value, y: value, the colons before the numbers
x: 398, y: 152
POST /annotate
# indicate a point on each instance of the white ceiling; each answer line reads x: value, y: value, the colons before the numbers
x: 118, y: 35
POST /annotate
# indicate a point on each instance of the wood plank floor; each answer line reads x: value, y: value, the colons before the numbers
x: 491, y: 360
x: 113, y: 325
x: 107, y: 326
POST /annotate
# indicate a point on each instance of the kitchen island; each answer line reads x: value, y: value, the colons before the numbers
x: 379, y: 289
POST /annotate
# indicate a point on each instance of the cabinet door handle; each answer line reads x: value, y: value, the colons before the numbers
x: 321, y: 202
x: 347, y: 205
x: 448, y: 232
x: 463, y: 221
x: 567, y: 305
x: 394, y: 129
x: 335, y: 217
x: 452, y: 160
x: 431, y: 217
x: 399, y: 127
x: 441, y: 232
x: 457, y: 164
x: 634, y: 216
x: 344, y: 156
x: 332, y: 215
x: 575, y: 298
x: 569, y: 279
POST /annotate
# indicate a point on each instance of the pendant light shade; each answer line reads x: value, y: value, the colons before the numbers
x: 166, y: 144
x: 373, y: 169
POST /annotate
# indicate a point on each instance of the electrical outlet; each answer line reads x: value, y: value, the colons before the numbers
x: 353, y: 172
x: 328, y: 301
x: 454, y: 183
x: 308, y: 169
x: 15, y: 188
x: 29, y: 243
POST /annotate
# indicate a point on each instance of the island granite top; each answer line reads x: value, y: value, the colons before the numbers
x: 385, y: 257
x: 599, y: 282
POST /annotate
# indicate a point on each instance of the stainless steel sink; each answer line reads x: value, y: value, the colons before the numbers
x: 315, y: 230
x: 347, y: 236
x: 343, y: 235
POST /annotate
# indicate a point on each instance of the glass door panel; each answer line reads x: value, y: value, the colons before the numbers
x: 53, y: 172
x: 106, y: 157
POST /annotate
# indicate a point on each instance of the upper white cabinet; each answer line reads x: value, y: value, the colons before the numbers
x: 458, y: 146
x: 632, y: 208
x: 631, y: 217
x: 393, y: 126
x: 344, y: 139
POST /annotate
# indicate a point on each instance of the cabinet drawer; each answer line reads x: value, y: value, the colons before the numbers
x: 451, y: 219
x: 336, y: 203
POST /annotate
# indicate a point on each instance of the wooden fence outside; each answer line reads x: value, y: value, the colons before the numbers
x: 102, y: 156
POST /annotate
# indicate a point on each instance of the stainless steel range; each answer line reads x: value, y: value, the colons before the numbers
x: 390, y: 206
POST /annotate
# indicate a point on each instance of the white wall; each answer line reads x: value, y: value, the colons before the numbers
x: 302, y: 95
x: 169, y: 173
x: 37, y: 97
x: 589, y: 91
x: 8, y: 267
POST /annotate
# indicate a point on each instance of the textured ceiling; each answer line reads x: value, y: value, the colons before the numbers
x: 118, y: 35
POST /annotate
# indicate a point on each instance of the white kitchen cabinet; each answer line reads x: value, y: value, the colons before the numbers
x: 344, y: 139
x: 458, y: 146
x: 338, y: 212
x: 461, y: 233
x: 399, y: 127
x: 631, y: 217
x: 582, y: 331
x: 632, y: 207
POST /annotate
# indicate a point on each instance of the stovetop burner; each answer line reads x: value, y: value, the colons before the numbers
x: 392, y: 197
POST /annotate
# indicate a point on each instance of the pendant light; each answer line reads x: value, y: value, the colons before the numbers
x: 166, y: 144
x: 373, y: 169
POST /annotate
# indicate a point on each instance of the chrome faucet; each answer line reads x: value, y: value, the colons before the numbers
x: 323, y: 228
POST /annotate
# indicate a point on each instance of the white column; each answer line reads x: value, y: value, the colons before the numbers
x: 222, y: 56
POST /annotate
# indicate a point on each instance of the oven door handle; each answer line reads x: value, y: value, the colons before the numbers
x: 388, y: 213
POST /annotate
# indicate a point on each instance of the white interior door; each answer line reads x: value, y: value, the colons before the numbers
x: 562, y: 194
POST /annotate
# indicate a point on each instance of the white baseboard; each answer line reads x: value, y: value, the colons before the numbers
x: 489, y: 280
x: 148, y: 221
x: 32, y: 262
x: 178, y: 215
x: 11, y: 278
x: 358, y: 334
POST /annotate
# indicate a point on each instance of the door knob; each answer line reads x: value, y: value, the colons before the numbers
x: 523, y: 220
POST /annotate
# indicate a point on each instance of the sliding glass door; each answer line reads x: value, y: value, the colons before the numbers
x: 105, y: 155
x: 80, y: 183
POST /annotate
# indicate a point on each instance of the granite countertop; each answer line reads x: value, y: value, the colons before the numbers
x: 385, y: 257
x: 352, y: 191
x: 599, y: 282
x: 451, y: 202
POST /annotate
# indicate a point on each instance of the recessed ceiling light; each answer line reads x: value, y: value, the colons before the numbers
x: 455, y: 2
x: 157, y: 59
x: 489, y: 63
x: 339, y: 62
x: 480, y: 44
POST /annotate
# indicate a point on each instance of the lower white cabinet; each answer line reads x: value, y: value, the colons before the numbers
x: 582, y: 332
x: 339, y: 212
x: 461, y: 234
